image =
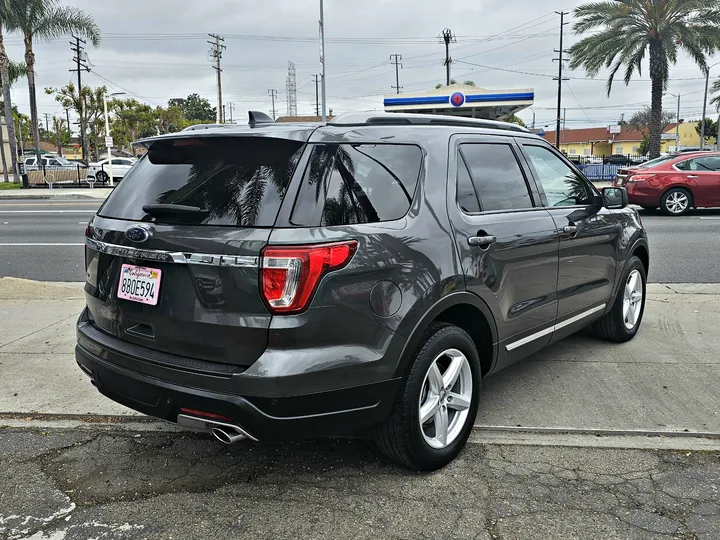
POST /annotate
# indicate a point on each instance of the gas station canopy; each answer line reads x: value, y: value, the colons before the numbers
x: 462, y: 100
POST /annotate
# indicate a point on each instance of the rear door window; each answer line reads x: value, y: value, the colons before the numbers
x: 357, y: 183
x: 496, y: 174
x: 233, y: 181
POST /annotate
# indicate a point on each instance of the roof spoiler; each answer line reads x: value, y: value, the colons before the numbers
x: 258, y: 118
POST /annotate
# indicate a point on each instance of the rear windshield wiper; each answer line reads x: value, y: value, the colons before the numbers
x: 173, y: 209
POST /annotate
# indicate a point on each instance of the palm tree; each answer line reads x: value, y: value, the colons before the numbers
x: 716, y: 90
x: 44, y: 20
x: 628, y: 30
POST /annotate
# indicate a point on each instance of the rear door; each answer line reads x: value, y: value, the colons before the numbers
x: 507, y: 242
x: 173, y: 255
x: 588, y: 238
x: 702, y: 174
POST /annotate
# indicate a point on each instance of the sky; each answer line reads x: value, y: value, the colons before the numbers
x: 157, y: 50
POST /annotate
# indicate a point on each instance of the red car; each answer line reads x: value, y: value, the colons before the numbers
x: 675, y: 183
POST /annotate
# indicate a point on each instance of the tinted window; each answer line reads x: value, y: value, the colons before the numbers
x: 357, y: 183
x: 497, y: 177
x: 466, y: 196
x: 237, y: 181
x: 706, y: 163
x: 562, y: 185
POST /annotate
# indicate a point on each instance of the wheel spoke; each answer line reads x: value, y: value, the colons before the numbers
x: 429, y: 408
x: 458, y: 401
x: 441, y: 425
x: 626, y: 310
x: 632, y: 283
x: 435, y: 379
x: 453, y: 371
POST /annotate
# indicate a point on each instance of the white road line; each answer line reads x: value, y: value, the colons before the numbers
x: 34, y: 244
x: 710, y: 217
x: 88, y: 211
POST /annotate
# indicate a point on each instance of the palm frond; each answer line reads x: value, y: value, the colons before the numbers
x: 61, y: 21
x: 15, y: 71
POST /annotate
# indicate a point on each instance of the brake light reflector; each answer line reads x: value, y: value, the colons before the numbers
x: 290, y: 274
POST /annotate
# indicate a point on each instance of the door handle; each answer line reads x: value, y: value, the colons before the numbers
x: 570, y: 229
x: 693, y: 176
x: 483, y: 242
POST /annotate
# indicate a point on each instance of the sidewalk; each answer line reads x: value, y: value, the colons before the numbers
x: 62, y: 193
x: 665, y: 380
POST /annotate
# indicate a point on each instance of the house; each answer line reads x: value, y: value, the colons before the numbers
x: 610, y: 140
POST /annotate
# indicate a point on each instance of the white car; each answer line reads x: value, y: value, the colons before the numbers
x: 101, y: 169
x: 49, y: 162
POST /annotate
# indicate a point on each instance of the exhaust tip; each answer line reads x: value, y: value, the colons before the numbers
x: 227, y: 437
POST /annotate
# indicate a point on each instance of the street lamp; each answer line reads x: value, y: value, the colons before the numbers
x: 677, y: 121
x: 702, y: 124
x: 107, y: 131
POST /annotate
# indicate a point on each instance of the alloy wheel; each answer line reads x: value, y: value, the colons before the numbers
x: 632, y: 299
x: 445, y: 398
x: 677, y: 202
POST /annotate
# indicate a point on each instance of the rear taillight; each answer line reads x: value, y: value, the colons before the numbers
x: 290, y: 274
x: 637, y: 178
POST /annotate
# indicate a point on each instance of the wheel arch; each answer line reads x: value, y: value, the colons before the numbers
x: 465, y: 310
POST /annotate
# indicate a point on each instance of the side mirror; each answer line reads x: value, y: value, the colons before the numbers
x: 614, y: 197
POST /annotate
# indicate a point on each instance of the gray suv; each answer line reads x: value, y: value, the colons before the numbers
x: 284, y: 281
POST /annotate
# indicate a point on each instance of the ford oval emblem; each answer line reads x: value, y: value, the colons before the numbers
x: 137, y: 234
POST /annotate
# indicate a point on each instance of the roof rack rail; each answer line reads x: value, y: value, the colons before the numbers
x: 388, y: 119
x: 259, y: 118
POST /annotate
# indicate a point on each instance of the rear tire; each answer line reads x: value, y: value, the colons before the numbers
x: 102, y: 176
x: 430, y: 390
x: 623, y: 321
x: 676, y: 202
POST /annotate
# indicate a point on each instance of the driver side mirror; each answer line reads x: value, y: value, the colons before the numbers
x: 614, y: 198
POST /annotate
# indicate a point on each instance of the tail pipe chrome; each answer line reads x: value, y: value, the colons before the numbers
x: 225, y: 433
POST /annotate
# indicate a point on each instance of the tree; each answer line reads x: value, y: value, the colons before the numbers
x: 642, y: 120
x: 514, y: 119
x: 44, y: 20
x: 69, y: 98
x: 711, y: 129
x: 195, y: 107
x: 628, y: 30
x: 716, y: 90
x: 132, y: 120
x: 60, y: 134
x: 170, y: 120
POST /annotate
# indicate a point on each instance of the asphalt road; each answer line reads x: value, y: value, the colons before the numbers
x: 63, y: 484
x: 43, y: 240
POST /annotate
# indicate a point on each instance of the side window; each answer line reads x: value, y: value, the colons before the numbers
x: 496, y: 174
x: 562, y: 185
x: 707, y: 163
x: 357, y: 183
x: 54, y: 162
x: 683, y: 165
x: 466, y: 196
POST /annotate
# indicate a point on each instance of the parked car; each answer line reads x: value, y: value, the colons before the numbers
x: 620, y: 159
x: 280, y: 281
x: 48, y: 161
x: 675, y: 183
x: 100, y: 170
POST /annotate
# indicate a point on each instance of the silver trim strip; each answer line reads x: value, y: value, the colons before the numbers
x: 537, y: 335
x: 204, y: 259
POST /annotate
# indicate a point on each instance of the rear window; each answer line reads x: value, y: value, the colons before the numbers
x: 236, y: 181
x: 346, y: 184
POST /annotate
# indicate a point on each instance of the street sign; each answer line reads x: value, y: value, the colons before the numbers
x: 615, y: 128
x: 108, y: 142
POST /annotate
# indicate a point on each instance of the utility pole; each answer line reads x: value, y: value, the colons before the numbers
x: 80, y: 60
x: 215, y: 56
x: 317, y: 98
x: 447, y: 37
x: 273, y: 94
x: 67, y: 116
x: 47, y: 122
x: 397, y: 58
x: 564, y: 113
x: 231, y: 108
x: 323, y: 117
x: 559, y: 78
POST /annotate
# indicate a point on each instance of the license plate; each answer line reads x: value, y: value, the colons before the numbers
x: 139, y: 284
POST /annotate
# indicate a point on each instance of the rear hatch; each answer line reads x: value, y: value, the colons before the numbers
x: 173, y: 255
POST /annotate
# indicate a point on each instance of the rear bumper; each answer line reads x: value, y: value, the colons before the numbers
x: 642, y: 194
x: 338, y: 411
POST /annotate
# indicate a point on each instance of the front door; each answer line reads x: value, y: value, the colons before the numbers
x: 507, y: 242
x: 588, y: 238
